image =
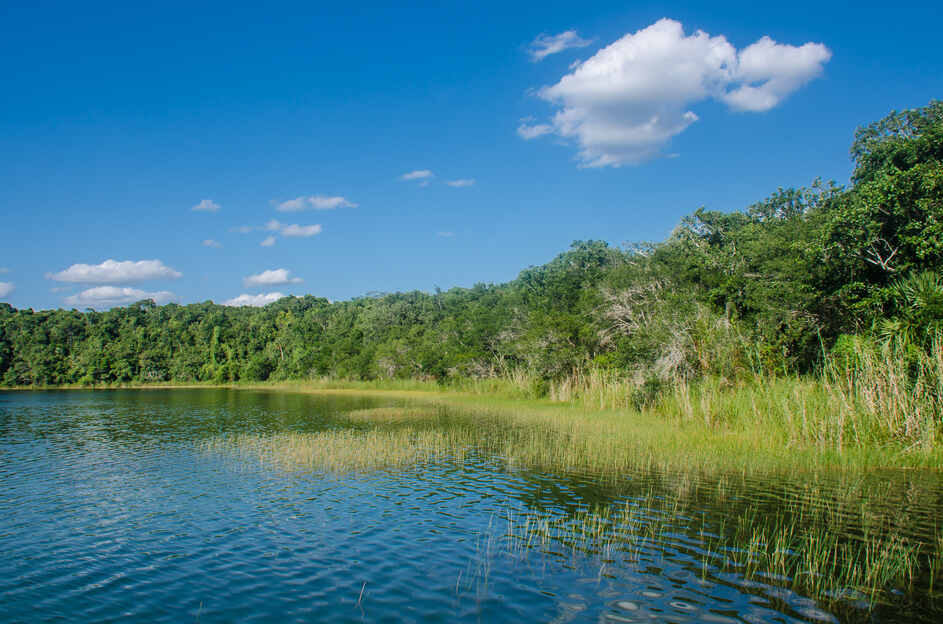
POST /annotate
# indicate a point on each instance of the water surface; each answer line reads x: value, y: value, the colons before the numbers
x: 113, y: 509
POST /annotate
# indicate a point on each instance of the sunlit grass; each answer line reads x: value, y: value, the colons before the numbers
x: 829, y: 545
x: 821, y: 551
x: 392, y: 414
x: 340, y: 451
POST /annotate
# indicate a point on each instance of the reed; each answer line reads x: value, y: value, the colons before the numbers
x: 392, y: 415
x: 810, y: 549
x: 341, y: 451
x: 830, y: 545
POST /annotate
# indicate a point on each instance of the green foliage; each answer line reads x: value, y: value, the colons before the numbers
x: 890, y: 223
x: 729, y: 295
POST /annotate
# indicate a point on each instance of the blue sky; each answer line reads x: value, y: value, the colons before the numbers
x: 116, y: 121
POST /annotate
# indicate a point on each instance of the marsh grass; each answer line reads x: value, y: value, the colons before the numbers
x: 813, y: 550
x: 831, y: 543
x: 341, y: 451
x: 392, y: 414
x: 869, y: 396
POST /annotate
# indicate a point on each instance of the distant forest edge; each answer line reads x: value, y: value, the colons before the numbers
x: 806, y: 279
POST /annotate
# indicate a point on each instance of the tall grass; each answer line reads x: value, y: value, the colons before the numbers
x: 871, y: 395
x: 830, y: 549
x: 827, y: 544
x: 341, y: 451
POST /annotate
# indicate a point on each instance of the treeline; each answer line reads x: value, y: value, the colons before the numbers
x: 773, y: 288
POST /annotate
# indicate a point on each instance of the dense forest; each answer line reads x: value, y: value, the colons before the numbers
x: 774, y: 288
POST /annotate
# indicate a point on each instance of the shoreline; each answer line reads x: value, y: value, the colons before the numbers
x: 609, y: 438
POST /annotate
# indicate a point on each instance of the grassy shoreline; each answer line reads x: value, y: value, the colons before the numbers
x: 606, y: 438
x: 845, y: 553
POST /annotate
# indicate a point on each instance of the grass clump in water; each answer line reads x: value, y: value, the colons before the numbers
x: 341, y: 451
x: 392, y: 414
x: 819, y: 551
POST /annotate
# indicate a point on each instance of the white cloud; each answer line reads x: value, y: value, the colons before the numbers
x: 109, y: 296
x: 206, y: 205
x: 445, y: 234
x: 315, y: 202
x: 301, y: 230
x: 461, y: 182
x: 277, y: 227
x: 254, y: 300
x: 545, y: 45
x: 770, y: 71
x: 114, y: 272
x: 272, y: 277
x: 419, y: 174
x: 209, y: 242
x: 242, y: 229
x: 532, y: 132
x: 6, y: 288
x: 624, y: 104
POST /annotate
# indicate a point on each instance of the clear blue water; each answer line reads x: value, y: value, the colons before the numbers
x: 112, y: 510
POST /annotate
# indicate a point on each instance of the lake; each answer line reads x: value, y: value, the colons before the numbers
x: 184, y: 506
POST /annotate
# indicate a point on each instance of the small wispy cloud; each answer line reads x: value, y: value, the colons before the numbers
x: 115, y: 272
x: 301, y: 231
x: 6, y: 288
x: 545, y: 45
x: 242, y: 229
x: 532, y: 132
x: 206, y: 205
x: 256, y: 301
x: 110, y: 296
x: 418, y: 174
x: 272, y: 277
x: 275, y: 227
x: 209, y: 242
x: 315, y: 202
x: 4, y: 270
x: 445, y: 234
x: 461, y: 182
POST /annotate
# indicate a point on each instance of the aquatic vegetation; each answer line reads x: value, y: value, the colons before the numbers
x: 392, y: 414
x: 825, y: 539
x: 339, y: 450
x: 821, y: 551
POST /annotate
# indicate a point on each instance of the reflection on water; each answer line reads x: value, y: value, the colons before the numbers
x: 156, y: 506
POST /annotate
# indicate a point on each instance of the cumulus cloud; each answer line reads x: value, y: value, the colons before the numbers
x: 302, y: 231
x: 624, y: 104
x: 206, y: 205
x: 272, y: 277
x: 114, y: 272
x: 209, y: 242
x: 268, y: 242
x: 314, y: 202
x: 461, y: 182
x: 545, y: 45
x: 6, y: 288
x: 110, y: 296
x: 419, y: 174
x: 274, y: 225
x: 256, y: 301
